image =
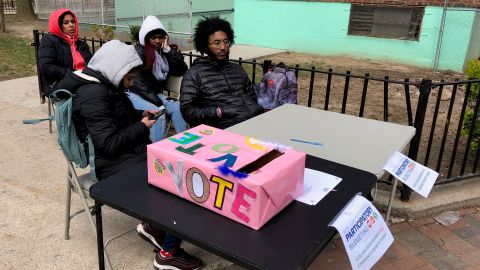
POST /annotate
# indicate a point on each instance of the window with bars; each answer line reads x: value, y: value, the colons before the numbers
x: 386, y: 22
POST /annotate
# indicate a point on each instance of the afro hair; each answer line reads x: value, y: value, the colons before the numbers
x: 206, y: 27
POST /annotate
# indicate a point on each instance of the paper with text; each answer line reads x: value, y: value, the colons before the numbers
x: 413, y: 174
x: 364, y: 232
x: 316, y: 186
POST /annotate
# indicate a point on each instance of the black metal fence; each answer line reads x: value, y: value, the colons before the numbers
x: 436, y: 109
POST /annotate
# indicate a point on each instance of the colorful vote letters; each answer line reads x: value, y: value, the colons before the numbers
x: 235, y: 176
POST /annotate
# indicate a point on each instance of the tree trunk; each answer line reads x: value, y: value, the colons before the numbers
x: 25, y: 11
x: 2, y: 18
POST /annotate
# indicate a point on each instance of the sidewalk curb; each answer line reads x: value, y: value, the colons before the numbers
x: 452, y: 196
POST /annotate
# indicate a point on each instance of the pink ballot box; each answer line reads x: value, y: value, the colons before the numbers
x: 244, y: 179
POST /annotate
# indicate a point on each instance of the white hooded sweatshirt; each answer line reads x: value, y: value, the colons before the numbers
x: 114, y: 60
x: 149, y: 24
x: 160, y: 67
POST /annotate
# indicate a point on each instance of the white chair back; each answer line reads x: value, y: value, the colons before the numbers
x: 173, y: 85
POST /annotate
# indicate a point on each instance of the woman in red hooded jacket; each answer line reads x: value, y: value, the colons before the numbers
x: 60, y: 50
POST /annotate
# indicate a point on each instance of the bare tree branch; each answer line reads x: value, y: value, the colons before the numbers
x: 2, y: 18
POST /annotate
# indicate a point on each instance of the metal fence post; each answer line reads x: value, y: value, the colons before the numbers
x: 266, y: 65
x: 425, y: 87
x: 36, y: 44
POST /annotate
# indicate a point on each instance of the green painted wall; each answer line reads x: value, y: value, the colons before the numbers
x: 319, y: 27
x: 130, y: 12
x: 205, y: 7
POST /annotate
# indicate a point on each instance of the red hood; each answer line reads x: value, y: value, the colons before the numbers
x: 55, y: 29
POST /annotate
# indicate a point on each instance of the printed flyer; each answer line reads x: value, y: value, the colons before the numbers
x: 413, y: 174
x: 364, y: 232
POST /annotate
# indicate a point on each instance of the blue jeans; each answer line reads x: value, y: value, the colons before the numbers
x: 172, y: 109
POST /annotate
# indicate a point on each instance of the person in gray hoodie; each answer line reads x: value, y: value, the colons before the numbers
x: 119, y: 132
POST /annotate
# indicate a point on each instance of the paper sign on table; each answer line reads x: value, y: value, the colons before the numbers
x: 316, y: 185
x: 413, y: 174
x: 364, y: 233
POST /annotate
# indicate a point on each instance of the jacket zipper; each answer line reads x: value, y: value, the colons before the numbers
x: 228, y: 83
x: 231, y: 92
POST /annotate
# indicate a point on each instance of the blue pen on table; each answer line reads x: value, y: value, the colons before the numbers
x: 308, y: 142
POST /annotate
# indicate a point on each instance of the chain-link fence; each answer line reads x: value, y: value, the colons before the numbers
x: 175, y: 15
x: 87, y: 11
x: 459, y: 38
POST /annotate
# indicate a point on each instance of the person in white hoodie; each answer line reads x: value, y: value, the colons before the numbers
x: 160, y: 60
x: 119, y: 132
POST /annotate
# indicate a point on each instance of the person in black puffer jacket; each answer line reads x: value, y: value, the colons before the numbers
x: 119, y: 133
x: 61, y: 51
x: 102, y: 110
x: 215, y: 91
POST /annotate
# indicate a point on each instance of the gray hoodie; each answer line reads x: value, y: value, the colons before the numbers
x: 114, y: 60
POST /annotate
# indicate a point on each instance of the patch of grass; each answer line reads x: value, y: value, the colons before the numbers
x: 17, y: 57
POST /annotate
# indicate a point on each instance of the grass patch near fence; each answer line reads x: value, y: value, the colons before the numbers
x: 17, y: 57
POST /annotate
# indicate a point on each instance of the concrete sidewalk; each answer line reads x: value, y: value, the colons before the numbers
x: 247, y: 52
x: 32, y: 195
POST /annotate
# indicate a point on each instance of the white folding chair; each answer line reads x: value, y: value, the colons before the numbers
x: 80, y: 184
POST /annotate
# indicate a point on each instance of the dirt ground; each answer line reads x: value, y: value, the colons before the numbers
x: 441, y: 149
x: 359, y: 66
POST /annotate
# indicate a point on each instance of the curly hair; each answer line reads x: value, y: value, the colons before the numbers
x: 207, y: 26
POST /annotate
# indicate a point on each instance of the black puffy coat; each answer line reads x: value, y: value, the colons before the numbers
x: 208, y: 85
x: 99, y: 109
x: 147, y: 86
x: 55, y: 59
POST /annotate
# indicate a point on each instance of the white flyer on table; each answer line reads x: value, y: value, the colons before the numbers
x: 413, y: 174
x: 364, y: 232
x: 316, y: 186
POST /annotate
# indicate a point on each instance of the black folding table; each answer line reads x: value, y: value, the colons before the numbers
x: 290, y: 240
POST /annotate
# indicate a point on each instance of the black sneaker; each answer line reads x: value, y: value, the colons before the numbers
x: 180, y: 260
x: 152, y: 235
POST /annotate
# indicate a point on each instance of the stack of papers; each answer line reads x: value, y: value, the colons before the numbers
x: 317, y: 185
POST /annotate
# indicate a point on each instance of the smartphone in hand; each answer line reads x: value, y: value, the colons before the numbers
x: 155, y: 116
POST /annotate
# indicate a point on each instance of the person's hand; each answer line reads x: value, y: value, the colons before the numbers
x: 149, y: 123
x: 146, y: 114
x: 149, y: 112
x: 165, y: 44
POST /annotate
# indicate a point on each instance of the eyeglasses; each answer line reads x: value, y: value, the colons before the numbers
x: 218, y: 43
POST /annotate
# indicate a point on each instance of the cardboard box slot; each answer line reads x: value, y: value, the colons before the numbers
x: 260, y: 162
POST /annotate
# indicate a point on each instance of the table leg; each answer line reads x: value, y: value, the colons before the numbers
x: 98, y: 219
x: 390, y: 201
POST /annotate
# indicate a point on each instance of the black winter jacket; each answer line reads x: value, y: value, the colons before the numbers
x: 147, y: 86
x: 208, y: 85
x: 119, y: 137
x: 55, y: 59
